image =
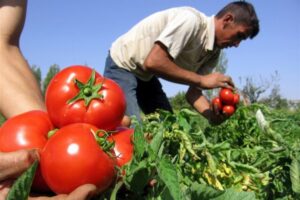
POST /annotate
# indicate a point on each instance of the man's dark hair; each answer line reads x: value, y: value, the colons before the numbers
x: 244, y: 13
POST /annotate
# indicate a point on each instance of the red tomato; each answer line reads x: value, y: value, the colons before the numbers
x: 27, y: 131
x: 101, y: 101
x: 72, y: 157
x: 226, y: 96
x: 228, y: 110
x: 216, y: 102
x: 123, y: 148
x: 236, y: 98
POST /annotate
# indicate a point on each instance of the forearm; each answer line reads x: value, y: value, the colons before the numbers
x: 195, y: 97
x: 20, y: 91
x: 161, y: 64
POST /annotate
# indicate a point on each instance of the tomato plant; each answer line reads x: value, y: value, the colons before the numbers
x: 27, y: 131
x: 79, y: 94
x: 123, y: 146
x: 226, y: 96
x: 72, y: 157
x: 216, y: 102
x: 228, y: 110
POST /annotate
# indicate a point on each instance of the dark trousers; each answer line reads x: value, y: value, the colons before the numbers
x: 145, y: 96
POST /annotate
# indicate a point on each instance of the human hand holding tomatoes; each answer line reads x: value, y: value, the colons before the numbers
x: 72, y: 157
x: 27, y: 131
x: 83, y: 192
x: 20, y: 160
x: 215, y: 80
x: 79, y: 94
x: 226, y: 96
x: 226, y: 102
x: 12, y: 165
x: 217, y: 105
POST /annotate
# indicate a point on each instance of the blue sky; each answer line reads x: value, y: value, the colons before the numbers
x: 81, y: 32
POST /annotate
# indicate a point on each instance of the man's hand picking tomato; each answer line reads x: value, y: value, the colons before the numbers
x: 226, y: 96
x: 226, y: 102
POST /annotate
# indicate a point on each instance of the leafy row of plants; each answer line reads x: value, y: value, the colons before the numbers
x: 255, y: 154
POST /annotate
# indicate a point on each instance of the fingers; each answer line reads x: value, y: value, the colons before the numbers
x: 4, y: 188
x: 228, y: 83
x: 12, y: 164
x: 126, y: 121
x: 83, y: 192
x: 216, y: 109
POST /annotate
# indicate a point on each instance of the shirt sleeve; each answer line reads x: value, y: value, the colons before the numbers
x: 178, y: 32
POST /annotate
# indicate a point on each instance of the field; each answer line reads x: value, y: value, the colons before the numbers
x: 255, y: 154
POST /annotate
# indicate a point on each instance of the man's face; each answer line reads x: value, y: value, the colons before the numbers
x: 230, y: 34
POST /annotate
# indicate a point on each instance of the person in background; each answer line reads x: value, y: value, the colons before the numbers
x: 181, y: 45
x: 20, y: 92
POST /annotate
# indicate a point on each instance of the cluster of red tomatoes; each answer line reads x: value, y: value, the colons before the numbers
x: 79, y: 137
x: 226, y: 102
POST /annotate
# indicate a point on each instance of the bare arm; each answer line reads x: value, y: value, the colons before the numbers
x: 19, y: 91
x: 195, y: 97
x: 159, y: 62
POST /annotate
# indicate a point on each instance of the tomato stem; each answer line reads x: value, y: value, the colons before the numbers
x: 101, y: 138
x: 88, y: 91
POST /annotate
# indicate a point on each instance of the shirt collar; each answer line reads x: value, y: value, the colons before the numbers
x: 210, y: 33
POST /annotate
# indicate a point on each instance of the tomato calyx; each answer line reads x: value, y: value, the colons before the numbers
x: 101, y: 138
x: 88, y: 91
x: 52, y: 132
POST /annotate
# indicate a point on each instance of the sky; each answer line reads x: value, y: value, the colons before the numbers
x: 72, y: 32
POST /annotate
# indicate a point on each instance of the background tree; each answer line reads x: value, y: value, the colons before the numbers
x: 178, y: 101
x: 37, y: 73
x: 275, y: 100
x: 221, y: 67
x: 53, y: 69
x: 253, y: 90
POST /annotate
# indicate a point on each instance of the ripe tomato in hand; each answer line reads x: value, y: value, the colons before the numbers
x: 217, y: 104
x: 228, y: 110
x: 226, y: 96
x: 27, y: 131
x: 236, y: 98
x: 123, y: 146
x: 72, y: 157
x: 79, y: 94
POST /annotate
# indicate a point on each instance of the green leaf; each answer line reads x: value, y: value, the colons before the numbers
x: 204, y: 192
x: 138, y: 176
x: 140, y: 144
x: 232, y: 194
x: 168, y: 174
x: 295, y: 175
x: 182, y: 121
x: 157, y: 141
x: 21, y: 188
